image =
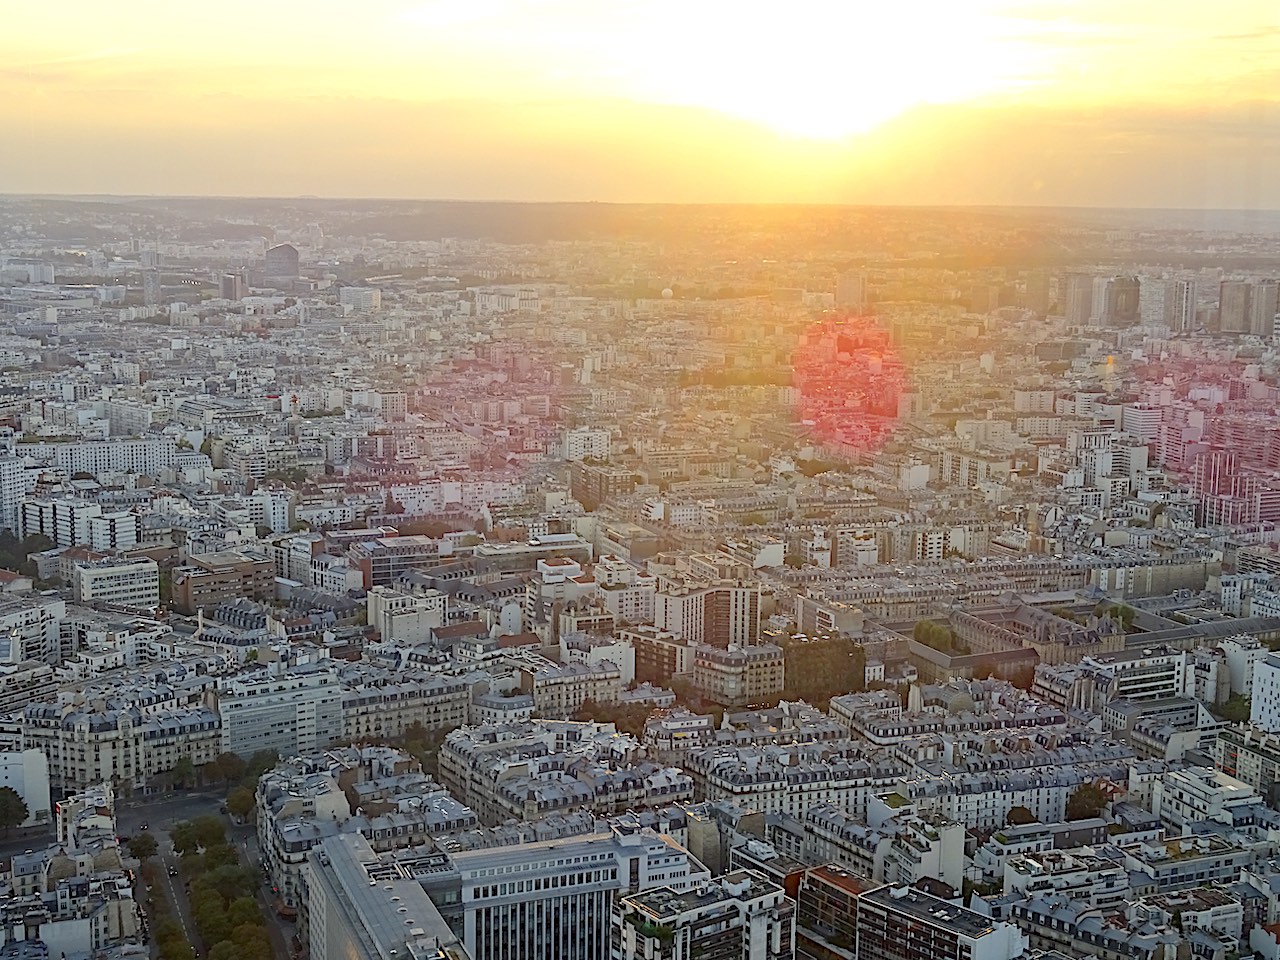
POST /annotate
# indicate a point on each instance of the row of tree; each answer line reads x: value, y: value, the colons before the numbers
x: 939, y: 637
x: 227, y: 769
x: 227, y: 916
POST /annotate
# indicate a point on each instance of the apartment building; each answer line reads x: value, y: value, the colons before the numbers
x: 902, y: 923
x: 717, y: 613
x: 789, y: 779
x: 559, y: 689
x: 739, y: 675
x: 378, y: 704
x: 742, y: 914
x: 116, y: 742
x: 297, y: 712
x: 537, y: 769
x: 210, y: 578
x: 133, y: 583
x: 1251, y: 755
x: 404, y: 617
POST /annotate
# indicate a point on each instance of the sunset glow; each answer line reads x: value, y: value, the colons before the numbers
x: 824, y: 97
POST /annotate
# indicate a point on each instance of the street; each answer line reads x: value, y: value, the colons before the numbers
x: 22, y: 840
x: 160, y: 815
x: 164, y: 811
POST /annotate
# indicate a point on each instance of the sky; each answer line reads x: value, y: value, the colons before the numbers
x: 1164, y: 103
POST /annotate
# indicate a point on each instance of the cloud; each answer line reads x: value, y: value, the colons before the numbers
x: 1262, y: 33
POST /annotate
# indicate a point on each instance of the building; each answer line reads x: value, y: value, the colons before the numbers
x: 12, y: 490
x: 146, y: 457
x: 792, y: 778
x: 1264, y: 302
x: 297, y: 712
x: 851, y: 290
x: 381, y: 560
x: 25, y: 682
x: 903, y: 923
x: 1120, y: 302
x: 282, y: 262
x: 1154, y: 673
x: 1233, y: 306
x: 560, y: 689
x: 1181, y: 311
x: 741, y: 914
x: 1264, y: 709
x: 210, y: 578
x: 581, y: 443
x: 716, y: 613
x: 69, y: 522
x: 740, y: 675
x: 231, y: 286
x: 406, y: 617
x: 133, y: 583
x: 360, y: 908
x: 1250, y: 755
x: 659, y: 655
x: 111, y: 740
x: 381, y: 704
x: 30, y: 629
x: 827, y: 912
x: 360, y: 298
x: 1196, y: 795
x: 553, y: 898
x: 1078, y: 300
x: 594, y: 483
x: 537, y: 769
x: 151, y: 289
x: 26, y: 772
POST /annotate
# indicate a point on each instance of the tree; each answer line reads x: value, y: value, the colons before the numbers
x: 1086, y: 801
x: 239, y: 802
x: 1237, y: 709
x: 210, y: 831
x: 1019, y: 816
x: 183, y: 773
x: 244, y: 910
x: 231, y: 767
x: 220, y: 855
x: 260, y: 763
x: 819, y: 668
x: 184, y: 838
x: 628, y: 718
x: 13, y: 809
x: 142, y: 845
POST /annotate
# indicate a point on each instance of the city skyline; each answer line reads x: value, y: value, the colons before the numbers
x: 1129, y: 104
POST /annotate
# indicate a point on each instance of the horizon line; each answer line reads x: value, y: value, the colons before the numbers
x: 620, y: 203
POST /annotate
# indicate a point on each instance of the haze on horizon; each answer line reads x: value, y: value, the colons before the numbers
x: 1126, y: 103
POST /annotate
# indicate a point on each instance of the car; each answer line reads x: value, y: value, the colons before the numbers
x: 173, y: 871
x: 145, y: 826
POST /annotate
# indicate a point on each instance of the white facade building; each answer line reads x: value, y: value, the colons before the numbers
x: 1264, y: 708
x: 124, y: 582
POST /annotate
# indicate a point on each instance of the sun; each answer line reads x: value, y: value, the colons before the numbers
x: 824, y: 70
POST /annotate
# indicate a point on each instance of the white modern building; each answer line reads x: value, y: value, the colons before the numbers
x: 582, y: 442
x: 122, y: 582
x: 1264, y: 708
x: 298, y: 712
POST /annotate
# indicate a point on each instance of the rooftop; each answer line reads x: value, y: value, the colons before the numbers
x: 929, y: 909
